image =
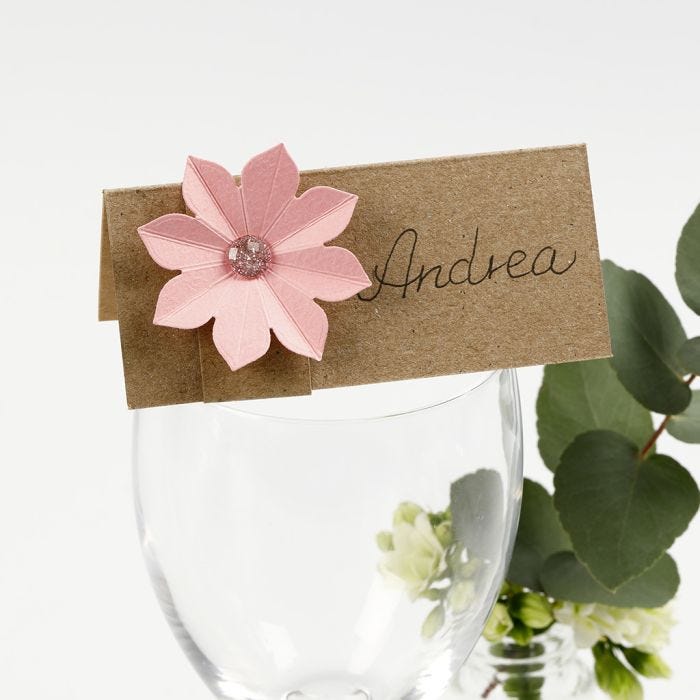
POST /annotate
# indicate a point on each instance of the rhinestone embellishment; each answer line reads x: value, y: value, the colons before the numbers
x: 249, y: 256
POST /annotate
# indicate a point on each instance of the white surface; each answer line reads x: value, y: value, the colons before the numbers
x: 103, y: 95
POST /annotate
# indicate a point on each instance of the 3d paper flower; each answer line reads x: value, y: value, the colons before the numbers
x: 253, y: 257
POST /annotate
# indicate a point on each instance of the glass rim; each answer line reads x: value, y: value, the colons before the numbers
x: 238, y: 406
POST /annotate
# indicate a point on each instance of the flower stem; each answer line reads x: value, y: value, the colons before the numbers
x: 662, y: 426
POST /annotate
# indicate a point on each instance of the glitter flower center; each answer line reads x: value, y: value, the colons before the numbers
x: 249, y: 256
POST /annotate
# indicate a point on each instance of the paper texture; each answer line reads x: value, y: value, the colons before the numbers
x: 476, y: 262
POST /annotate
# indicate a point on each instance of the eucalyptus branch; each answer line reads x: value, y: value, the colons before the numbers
x: 662, y: 426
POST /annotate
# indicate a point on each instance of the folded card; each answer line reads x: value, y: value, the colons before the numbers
x: 475, y: 262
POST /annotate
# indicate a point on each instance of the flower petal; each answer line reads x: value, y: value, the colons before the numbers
x: 331, y: 273
x: 241, y: 332
x: 319, y: 215
x: 178, y: 242
x: 269, y: 182
x: 212, y: 194
x: 299, y: 323
x: 191, y: 298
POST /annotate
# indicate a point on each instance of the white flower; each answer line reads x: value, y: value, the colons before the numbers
x: 417, y: 556
x: 646, y: 629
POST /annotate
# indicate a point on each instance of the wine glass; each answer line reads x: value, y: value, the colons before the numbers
x: 350, y: 543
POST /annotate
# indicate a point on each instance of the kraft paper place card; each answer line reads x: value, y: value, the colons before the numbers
x: 462, y: 264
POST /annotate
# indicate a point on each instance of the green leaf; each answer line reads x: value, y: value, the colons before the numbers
x: 645, y: 334
x: 621, y: 512
x: 649, y: 665
x: 476, y: 503
x: 688, y: 262
x: 686, y: 426
x: 565, y: 578
x: 540, y: 534
x: 614, y: 677
x: 689, y: 356
x: 581, y: 396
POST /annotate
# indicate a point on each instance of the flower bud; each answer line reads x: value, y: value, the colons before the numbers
x: 468, y: 569
x: 508, y: 589
x: 460, y: 595
x: 532, y: 609
x: 614, y: 677
x: 434, y: 621
x: 499, y: 624
x: 443, y: 532
x: 406, y: 513
x: 385, y: 541
x: 649, y: 665
x: 521, y: 634
x: 437, y: 518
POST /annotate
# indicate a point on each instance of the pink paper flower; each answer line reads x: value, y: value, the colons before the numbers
x: 253, y: 257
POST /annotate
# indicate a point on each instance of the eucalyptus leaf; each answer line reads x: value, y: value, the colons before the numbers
x: 689, y: 356
x: 564, y: 577
x: 540, y: 534
x: 476, y: 503
x: 580, y: 396
x: 646, y: 334
x: 525, y: 566
x: 688, y: 262
x: 686, y: 426
x: 621, y: 512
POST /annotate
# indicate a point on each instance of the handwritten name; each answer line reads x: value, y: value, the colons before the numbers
x: 400, y: 272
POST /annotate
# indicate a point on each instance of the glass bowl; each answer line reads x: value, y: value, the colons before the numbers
x: 350, y: 543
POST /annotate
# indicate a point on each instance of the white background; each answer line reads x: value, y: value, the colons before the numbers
x: 116, y: 94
